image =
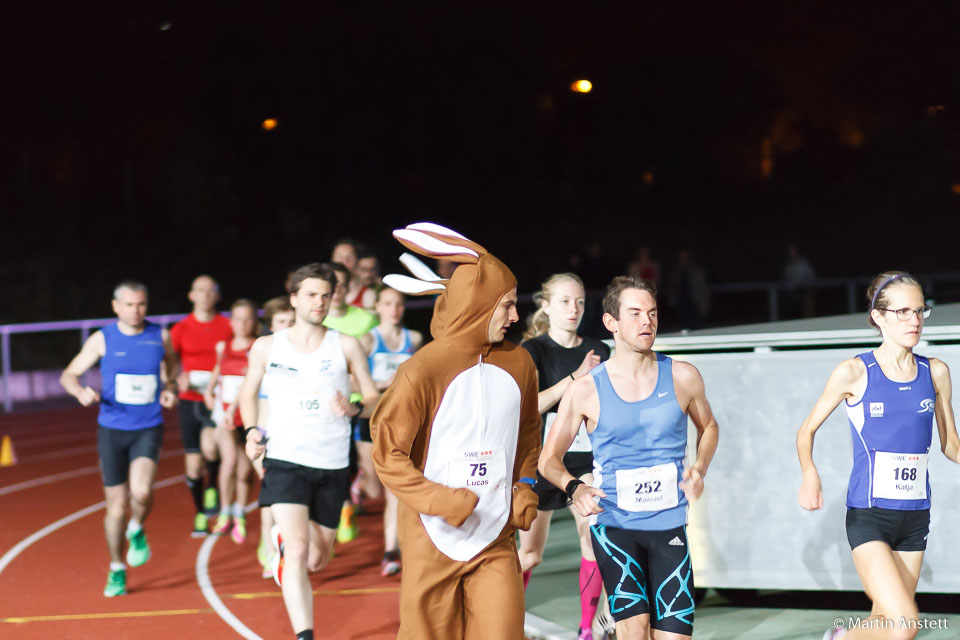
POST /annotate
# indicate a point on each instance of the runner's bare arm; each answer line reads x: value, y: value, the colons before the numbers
x: 208, y: 393
x: 168, y: 373
x: 943, y: 409
x: 93, y: 349
x: 841, y: 384
x: 551, y: 395
x: 693, y: 397
x: 249, y: 391
x: 357, y: 366
x: 570, y: 415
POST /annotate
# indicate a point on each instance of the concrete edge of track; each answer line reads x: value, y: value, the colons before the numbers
x: 21, y: 546
x: 210, y: 593
x: 542, y: 629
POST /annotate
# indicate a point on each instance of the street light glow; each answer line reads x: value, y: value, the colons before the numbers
x: 582, y: 86
x: 269, y: 124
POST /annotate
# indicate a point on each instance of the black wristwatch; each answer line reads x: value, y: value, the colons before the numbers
x: 359, y: 406
x: 572, y: 486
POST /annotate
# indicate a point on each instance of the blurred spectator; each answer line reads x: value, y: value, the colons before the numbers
x: 644, y: 267
x: 688, y: 293
x: 365, y: 279
x: 798, y: 293
x: 345, y: 252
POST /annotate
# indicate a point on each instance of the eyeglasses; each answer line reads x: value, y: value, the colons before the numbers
x: 906, y: 313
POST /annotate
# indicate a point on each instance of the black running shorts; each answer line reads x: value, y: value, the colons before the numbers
x: 118, y: 448
x: 549, y: 497
x: 902, y: 530
x: 323, y: 491
x: 194, y: 417
x: 647, y: 572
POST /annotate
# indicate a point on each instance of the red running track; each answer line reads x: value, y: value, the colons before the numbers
x: 52, y: 587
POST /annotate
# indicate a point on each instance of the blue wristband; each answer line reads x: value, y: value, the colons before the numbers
x: 529, y: 481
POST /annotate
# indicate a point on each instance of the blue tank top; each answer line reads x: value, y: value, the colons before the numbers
x: 382, y: 361
x: 130, y: 368
x: 638, y: 450
x: 892, y: 428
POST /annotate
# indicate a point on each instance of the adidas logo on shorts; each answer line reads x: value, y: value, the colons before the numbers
x: 676, y: 542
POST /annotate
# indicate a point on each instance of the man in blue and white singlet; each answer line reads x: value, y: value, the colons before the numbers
x: 137, y: 365
x: 636, y: 406
x: 306, y: 469
x: 891, y: 396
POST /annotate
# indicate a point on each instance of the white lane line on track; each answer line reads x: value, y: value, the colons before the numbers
x: 206, y: 587
x: 62, y: 453
x: 19, y: 548
x: 66, y: 475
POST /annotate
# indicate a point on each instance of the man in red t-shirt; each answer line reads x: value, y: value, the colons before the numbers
x: 195, y: 339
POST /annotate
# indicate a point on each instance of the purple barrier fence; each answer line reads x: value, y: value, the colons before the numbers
x: 32, y: 380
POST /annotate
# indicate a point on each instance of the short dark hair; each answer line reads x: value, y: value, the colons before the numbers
x: 611, y: 297
x: 312, y: 270
x: 339, y: 267
x: 132, y: 285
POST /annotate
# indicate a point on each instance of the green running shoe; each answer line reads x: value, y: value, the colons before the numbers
x: 116, y: 583
x: 222, y: 525
x: 199, y: 526
x: 139, y: 550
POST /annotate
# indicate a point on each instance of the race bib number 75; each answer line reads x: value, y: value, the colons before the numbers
x: 480, y: 471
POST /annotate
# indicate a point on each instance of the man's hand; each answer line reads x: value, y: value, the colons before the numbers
x: 341, y: 407
x: 810, y: 495
x: 584, y: 502
x: 589, y: 362
x: 256, y: 444
x: 88, y: 396
x: 466, y: 501
x: 168, y: 399
x: 692, y: 483
x: 524, y: 506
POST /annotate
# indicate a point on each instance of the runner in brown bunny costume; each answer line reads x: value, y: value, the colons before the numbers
x: 456, y: 438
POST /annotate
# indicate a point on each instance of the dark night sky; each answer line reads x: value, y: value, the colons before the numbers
x: 128, y: 149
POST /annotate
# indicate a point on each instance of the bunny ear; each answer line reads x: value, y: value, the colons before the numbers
x: 416, y: 266
x: 437, y: 229
x: 412, y: 286
x: 436, y: 241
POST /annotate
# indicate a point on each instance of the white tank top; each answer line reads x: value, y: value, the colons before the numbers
x: 301, y: 427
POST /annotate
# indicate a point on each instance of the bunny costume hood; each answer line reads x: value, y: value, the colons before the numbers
x: 460, y: 420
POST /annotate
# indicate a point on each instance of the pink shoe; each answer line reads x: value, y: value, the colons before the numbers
x: 223, y: 525
x: 278, y: 554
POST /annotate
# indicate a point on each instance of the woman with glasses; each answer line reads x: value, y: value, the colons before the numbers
x: 891, y: 396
